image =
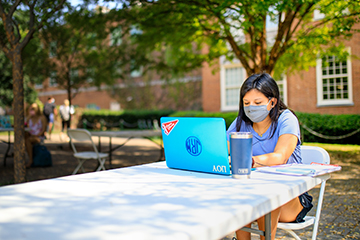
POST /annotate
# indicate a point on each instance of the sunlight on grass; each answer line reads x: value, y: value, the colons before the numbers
x: 335, y: 147
x: 156, y: 140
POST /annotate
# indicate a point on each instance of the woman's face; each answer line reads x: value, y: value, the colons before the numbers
x: 257, y: 98
x: 32, y: 110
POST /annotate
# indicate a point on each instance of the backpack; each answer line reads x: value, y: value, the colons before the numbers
x: 48, y: 108
x: 65, y: 113
x: 41, y: 156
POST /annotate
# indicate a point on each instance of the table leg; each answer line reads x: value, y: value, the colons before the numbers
x: 268, y: 226
x: 162, y: 157
x: 110, y: 152
x: 266, y: 233
x: 115, y: 148
x: 8, y: 149
x: 99, y: 144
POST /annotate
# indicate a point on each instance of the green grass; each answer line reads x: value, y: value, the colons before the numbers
x: 156, y: 140
x: 335, y: 147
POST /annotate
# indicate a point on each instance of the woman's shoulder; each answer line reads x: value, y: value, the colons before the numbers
x: 287, y: 114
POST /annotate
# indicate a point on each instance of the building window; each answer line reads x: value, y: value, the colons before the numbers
x: 231, y: 77
x: 52, y: 49
x: 90, y: 73
x: 115, y: 106
x: 135, y: 71
x: 38, y: 85
x: 282, y: 83
x: 74, y: 76
x: 52, y: 79
x: 118, y: 69
x: 334, y: 82
x: 115, y: 37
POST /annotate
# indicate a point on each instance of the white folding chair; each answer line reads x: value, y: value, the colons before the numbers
x: 83, y: 135
x: 309, y: 154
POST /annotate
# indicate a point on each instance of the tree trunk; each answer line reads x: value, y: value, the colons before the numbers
x: 18, y: 105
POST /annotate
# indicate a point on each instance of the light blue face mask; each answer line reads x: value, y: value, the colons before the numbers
x: 257, y: 113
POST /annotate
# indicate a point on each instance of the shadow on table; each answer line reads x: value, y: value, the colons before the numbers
x: 64, y: 163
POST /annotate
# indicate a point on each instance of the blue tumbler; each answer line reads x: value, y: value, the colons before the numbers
x: 241, y: 154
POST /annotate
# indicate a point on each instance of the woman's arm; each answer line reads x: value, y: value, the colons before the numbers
x: 283, y: 150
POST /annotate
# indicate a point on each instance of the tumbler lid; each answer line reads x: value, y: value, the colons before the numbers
x: 242, y: 135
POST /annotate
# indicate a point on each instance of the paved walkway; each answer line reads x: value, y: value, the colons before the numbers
x: 341, y: 208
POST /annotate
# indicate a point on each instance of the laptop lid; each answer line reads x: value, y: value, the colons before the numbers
x: 196, y: 144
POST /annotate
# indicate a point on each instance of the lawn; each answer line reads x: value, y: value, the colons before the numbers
x: 336, y: 147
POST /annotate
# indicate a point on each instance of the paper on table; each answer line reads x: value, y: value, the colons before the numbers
x: 313, y: 169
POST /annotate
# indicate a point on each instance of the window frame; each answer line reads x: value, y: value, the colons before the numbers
x: 283, y: 81
x: 223, y: 86
x: 38, y: 85
x: 53, y: 75
x: 52, y: 49
x: 116, y: 36
x: 90, y: 73
x: 321, y: 102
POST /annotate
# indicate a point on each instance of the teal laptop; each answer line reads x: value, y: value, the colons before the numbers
x: 196, y: 144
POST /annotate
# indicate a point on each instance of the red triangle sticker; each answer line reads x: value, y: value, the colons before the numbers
x: 169, y: 126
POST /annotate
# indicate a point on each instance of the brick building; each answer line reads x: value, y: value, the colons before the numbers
x: 181, y: 94
x: 329, y: 90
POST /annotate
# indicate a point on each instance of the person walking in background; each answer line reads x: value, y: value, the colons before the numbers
x: 65, y: 113
x: 50, y: 112
x: 37, y: 123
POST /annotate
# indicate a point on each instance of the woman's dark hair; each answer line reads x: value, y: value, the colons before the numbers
x: 265, y: 84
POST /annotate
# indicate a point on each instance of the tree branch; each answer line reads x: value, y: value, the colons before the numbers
x: 263, y: 46
x: 2, y: 12
x: 13, y: 8
x: 285, y: 28
x: 238, y: 52
x: 34, y: 28
x: 307, y: 10
x: 320, y: 23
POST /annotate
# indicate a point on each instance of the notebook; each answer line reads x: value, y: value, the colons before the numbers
x: 196, y: 144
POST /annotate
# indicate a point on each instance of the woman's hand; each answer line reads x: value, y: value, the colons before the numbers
x: 282, y: 152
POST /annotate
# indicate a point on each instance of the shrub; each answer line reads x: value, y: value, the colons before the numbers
x: 329, y: 125
x: 229, y: 117
x: 325, y: 124
x: 94, y: 119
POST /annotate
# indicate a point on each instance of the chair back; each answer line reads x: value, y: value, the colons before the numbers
x: 311, y: 154
x: 80, y: 135
x: 5, y: 121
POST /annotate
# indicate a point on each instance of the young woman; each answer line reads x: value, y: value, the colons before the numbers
x: 36, y: 122
x: 276, y: 140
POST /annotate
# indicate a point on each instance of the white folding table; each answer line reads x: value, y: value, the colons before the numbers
x: 148, y: 202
